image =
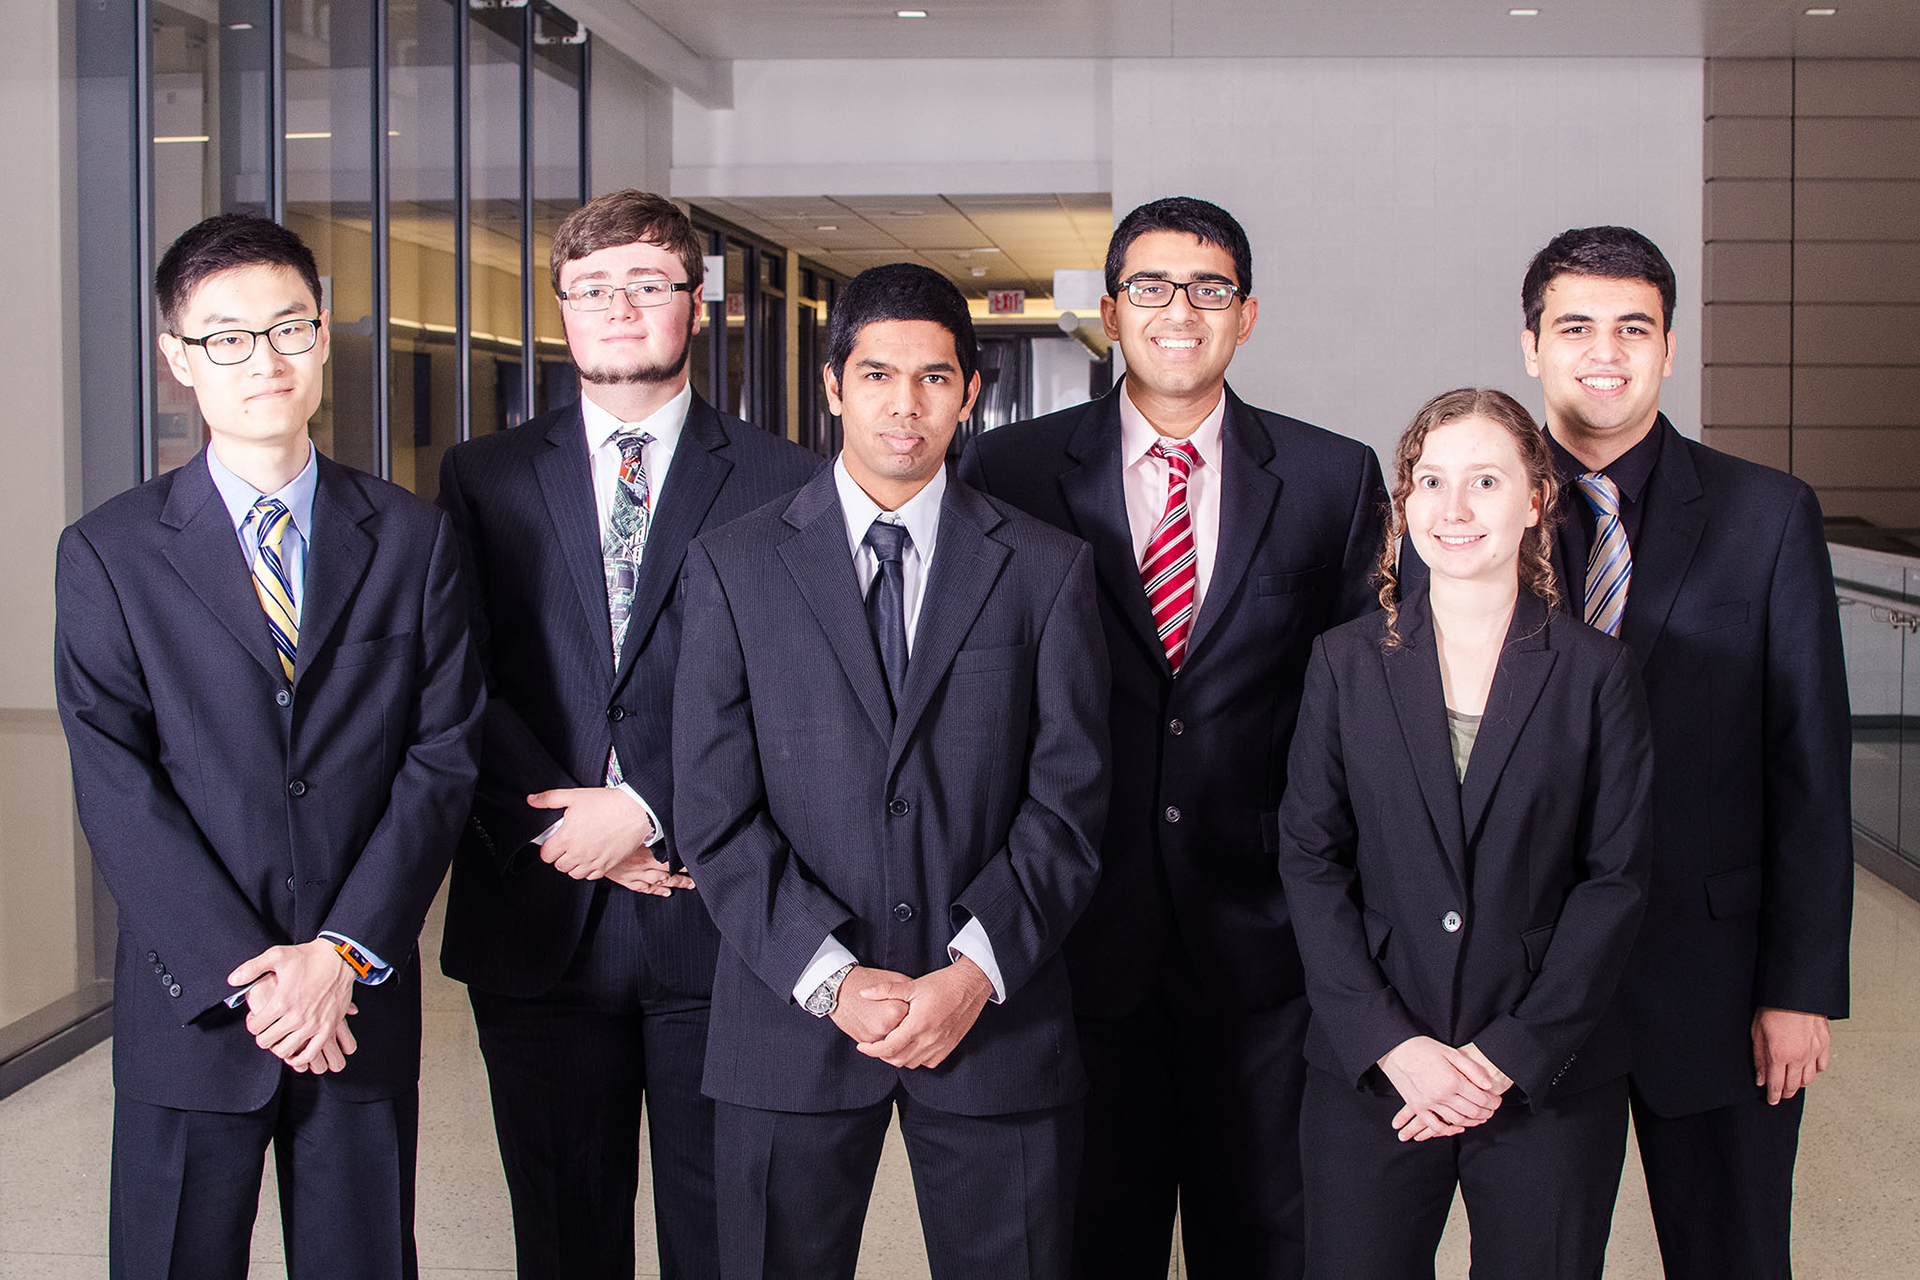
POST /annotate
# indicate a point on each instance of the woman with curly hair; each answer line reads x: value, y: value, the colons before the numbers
x: 1464, y: 847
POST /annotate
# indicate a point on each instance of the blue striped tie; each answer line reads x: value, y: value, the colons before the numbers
x: 1610, y: 566
x: 271, y: 520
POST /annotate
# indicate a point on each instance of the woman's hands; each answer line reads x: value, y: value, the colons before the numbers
x: 1447, y: 1091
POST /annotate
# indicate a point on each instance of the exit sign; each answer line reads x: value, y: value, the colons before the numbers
x: 1006, y: 302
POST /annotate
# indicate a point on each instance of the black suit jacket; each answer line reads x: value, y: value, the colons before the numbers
x: 1539, y: 858
x: 522, y: 502
x: 806, y: 807
x: 230, y: 813
x: 1199, y: 763
x: 1732, y: 618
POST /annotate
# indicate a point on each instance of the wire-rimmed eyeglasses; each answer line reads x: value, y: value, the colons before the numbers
x: 235, y: 346
x: 1203, y: 295
x: 640, y: 293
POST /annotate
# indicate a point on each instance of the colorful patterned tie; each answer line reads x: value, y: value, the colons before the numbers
x: 270, y: 520
x: 1167, y: 569
x: 627, y: 522
x: 1610, y: 566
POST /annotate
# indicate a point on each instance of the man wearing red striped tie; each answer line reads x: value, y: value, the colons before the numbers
x: 1226, y: 538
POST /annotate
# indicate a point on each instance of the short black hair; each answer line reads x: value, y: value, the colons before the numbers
x: 1209, y: 223
x: 900, y: 291
x: 222, y: 243
x: 1612, y: 253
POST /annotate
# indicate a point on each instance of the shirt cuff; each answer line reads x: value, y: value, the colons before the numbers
x: 239, y: 997
x: 972, y: 943
x: 830, y: 958
x: 652, y: 817
x: 381, y: 970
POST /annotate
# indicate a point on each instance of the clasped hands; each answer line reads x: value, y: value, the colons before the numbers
x: 297, y: 1004
x: 911, y: 1022
x: 603, y: 834
x: 1446, y: 1090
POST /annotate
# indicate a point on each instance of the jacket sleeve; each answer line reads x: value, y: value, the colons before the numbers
x: 1593, y: 936
x: 1365, y: 531
x: 1353, y: 1003
x: 1032, y: 890
x: 168, y: 882
x: 760, y: 896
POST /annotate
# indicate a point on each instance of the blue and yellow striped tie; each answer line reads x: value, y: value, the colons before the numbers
x: 271, y: 520
x: 1610, y: 566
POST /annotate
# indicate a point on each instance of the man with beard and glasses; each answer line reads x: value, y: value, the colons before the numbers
x: 588, y: 955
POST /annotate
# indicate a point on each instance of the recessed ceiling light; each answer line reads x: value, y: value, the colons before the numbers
x: 239, y: 26
x: 978, y: 272
x: 1523, y: 13
x: 907, y: 213
x: 909, y: 13
x: 1821, y: 13
x: 828, y: 227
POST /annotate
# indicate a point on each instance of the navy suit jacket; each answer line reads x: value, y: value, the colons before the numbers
x: 230, y: 812
x: 522, y: 503
x: 806, y: 806
x: 1199, y: 762
x: 1538, y: 859
x: 1732, y: 617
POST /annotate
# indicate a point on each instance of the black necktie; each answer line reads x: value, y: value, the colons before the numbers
x: 887, y: 601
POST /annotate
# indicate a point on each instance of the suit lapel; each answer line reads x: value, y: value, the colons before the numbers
x: 1248, y: 491
x: 822, y: 567
x: 966, y: 564
x: 206, y: 553
x: 566, y: 482
x: 1670, y: 530
x: 1420, y: 703
x: 1094, y: 496
x: 337, y: 558
x: 1525, y: 662
x: 693, y: 482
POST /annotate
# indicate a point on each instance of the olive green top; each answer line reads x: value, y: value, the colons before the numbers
x: 1463, y: 729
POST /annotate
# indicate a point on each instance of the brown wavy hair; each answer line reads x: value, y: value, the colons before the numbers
x: 1536, y: 545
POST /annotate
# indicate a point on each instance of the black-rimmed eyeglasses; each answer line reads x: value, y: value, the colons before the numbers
x: 640, y: 293
x: 1203, y: 295
x: 235, y: 346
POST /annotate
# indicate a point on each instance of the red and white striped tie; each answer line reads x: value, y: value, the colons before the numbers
x: 1167, y: 569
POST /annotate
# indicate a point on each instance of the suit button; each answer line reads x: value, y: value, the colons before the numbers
x: 616, y: 714
x: 296, y: 788
x: 1173, y: 813
x: 166, y: 979
x: 174, y: 991
x: 282, y: 697
x: 153, y: 957
x: 899, y: 809
x: 902, y: 912
x: 1176, y: 726
x: 1450, y: 922
x: 289, y: 884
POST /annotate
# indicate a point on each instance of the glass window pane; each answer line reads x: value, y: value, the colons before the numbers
x: 559, y: 65
x: 493, y: 150
x: 736, y: 320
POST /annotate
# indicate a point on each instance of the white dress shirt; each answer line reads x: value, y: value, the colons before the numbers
x: 1143, y: 476
x: 921, y: 516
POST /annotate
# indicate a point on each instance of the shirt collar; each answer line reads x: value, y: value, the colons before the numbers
x: 1629, y: 472
x: 1137, y: 435
x: 296, y: 495
x: 920, y: 513
x: 663, y: 424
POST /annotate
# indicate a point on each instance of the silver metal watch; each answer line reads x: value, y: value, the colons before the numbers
x: 826, y: 997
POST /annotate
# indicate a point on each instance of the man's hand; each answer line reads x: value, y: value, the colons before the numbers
x: 866, y: 1019
x: 600, y: 828
x: 941, y: 1009
x: 1446, y: 1090
x: 298, y: 1003
x: 644, y: 873
x: 1789, y: 1050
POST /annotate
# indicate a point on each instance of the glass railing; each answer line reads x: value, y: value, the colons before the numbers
x: 1877, y: 576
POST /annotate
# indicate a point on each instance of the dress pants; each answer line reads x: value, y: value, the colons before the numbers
x: 186, y: 1185
x: 568, y: 1070
x: 1199, y: 1108
x: 993, y: 1191
x: 1539, y: 1186
x: 1721, y: 1183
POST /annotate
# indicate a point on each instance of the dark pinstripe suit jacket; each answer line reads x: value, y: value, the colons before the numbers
x: 522, y: 502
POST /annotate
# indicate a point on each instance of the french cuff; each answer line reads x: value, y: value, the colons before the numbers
x: 652, y: 818
x: 378, y: 970
x: 828, y: 960
x: 972, y: 943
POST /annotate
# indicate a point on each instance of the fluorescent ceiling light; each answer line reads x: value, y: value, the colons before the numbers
x: 1821, y: 13
x: 909, y: 13
x: 1523, y: 13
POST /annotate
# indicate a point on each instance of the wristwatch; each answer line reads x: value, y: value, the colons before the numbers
x: 826, y: 997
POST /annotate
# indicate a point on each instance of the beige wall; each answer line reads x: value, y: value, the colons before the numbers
x: 1812, y: 235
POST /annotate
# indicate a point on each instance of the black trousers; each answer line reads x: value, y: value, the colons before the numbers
x: 1197, y: 1109
x: 1721, y: 1184
x: 569, y: 1070
x: 993, y: 1191
x: 186, y: 1185
x: 1539, y: 1185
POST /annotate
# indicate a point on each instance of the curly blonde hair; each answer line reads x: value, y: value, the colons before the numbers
x: 1536, y: 546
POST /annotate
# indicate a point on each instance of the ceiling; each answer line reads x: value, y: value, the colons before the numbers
x: 728, y: 29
